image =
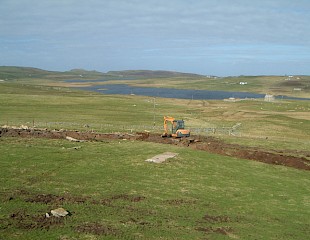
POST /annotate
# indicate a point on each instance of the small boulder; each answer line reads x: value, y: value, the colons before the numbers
x: 71, y: 139
x: 59, y: 212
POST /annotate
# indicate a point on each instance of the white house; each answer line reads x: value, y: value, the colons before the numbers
x: 269, y: 98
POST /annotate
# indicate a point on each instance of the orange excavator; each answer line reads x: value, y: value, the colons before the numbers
x: 178, y: 129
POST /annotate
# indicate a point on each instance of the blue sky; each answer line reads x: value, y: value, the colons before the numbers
x: 211, y: 37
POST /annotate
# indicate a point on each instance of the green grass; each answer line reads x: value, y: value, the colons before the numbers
x: 277, y: 85
x: 46, y: 106
x: 193, y: 196
x: 286, y: 123
x: 28, y: 74
x: 197, y: 195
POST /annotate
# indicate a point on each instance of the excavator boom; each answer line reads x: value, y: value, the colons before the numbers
x: 178, y: 128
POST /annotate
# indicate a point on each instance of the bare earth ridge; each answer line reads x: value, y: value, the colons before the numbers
x: 209, y: 144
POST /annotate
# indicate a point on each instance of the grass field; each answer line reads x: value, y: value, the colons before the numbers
x: 295, y: 86
x: 277, y: 85
x: 112, y: 193
x: 285, y: 123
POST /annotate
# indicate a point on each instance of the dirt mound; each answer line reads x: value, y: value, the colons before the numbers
x: 26, y: 221
x: 220, y: 230
x: 23, y: 219
x: 217, y: 146
x: 251, y: 153
x: 96, y: 229
x: 54, y: 199
x: 216, y: 219
x: 209, y: 144
x: 178, y: 202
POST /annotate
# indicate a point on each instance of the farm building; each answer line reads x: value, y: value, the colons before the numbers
x: 269, y: 98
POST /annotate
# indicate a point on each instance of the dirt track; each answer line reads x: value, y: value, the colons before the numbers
x: 209, y: 144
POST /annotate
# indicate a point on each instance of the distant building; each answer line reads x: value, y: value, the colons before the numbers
x: 269, y: 98
x: 232, y: 99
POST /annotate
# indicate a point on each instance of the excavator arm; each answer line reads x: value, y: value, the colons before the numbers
x: 166, y: 120
x: 177, y: 128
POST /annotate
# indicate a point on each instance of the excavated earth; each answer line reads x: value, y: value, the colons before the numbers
x: 209, y: 144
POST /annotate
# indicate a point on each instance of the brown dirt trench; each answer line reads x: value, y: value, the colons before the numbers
x: 209, y: 144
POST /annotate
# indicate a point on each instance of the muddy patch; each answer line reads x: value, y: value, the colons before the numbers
x: 120, y: 197
x: 212, y: 223
x: 51, y: 199
x: 220, y: 230
x: 96, y: 229
x: 177, y: 202
x: 23, y: 220
x: 54, y: 199
x: 216, y: 219
x: 129, y: 198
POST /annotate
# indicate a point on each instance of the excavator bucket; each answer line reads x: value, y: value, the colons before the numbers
x: 164, y: 135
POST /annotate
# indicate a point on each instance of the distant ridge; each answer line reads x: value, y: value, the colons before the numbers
x: 152, y: 73
x: 15, y: 72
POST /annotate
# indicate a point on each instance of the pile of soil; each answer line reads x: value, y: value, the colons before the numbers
x: 209, y: 144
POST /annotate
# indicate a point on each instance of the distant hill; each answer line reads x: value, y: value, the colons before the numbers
x: 12, y: 72
x: 297, y: 86
x: 151, y: 74
x: 15, y: 73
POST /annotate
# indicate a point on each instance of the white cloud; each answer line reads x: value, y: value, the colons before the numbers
x: 154, y: 28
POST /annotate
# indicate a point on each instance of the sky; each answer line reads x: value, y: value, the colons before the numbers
x: 209, y: 37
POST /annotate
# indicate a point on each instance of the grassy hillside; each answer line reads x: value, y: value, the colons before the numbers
x: 112, y: 193
x: 296, y: 86
x: 28, y: 74
x: 284, y: 123
x: 152, y: 74
x: 19, y: 73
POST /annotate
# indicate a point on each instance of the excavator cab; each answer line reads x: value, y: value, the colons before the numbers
x: 178, y: 128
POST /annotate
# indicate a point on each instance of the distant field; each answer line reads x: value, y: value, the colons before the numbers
x: 295, y: 86
x: 284, y: 123
x: 298, y: 86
